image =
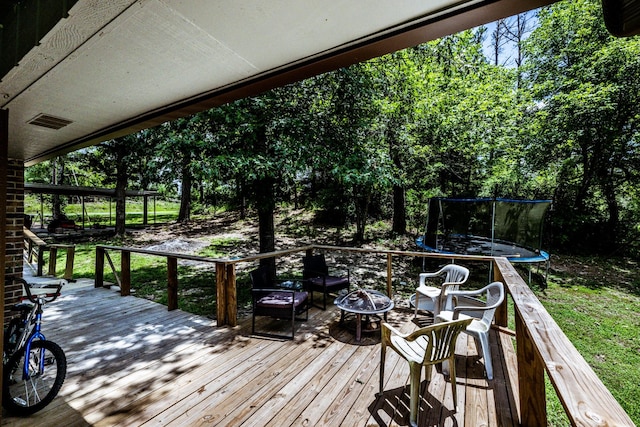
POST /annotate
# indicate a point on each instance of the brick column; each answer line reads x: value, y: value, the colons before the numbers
x: 14, y: 223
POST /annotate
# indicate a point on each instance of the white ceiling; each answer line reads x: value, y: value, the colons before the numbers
x: 115, y: 66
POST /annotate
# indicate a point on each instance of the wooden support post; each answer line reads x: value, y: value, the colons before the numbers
x: 231, y: 294
x: 389, y: 272
x: 533, y: 404
x: 125, y: 272
x: 41, y: 250
x: 68, y: 268
x: 99, y: 267
x: 172, y: 283
x: 501, y: 316
x: 30, y: 249
x: 70, y: 252
x: 221, y: 297
x: 53, y: 258
x: 113, y: 269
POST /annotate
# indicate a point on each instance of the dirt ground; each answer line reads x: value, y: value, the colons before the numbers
x: 229, y: 236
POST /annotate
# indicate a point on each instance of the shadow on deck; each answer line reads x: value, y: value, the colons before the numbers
x: 132, y: 362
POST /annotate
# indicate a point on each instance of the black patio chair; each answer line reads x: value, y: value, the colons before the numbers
x: 275, y: 302
x: 315, y: 274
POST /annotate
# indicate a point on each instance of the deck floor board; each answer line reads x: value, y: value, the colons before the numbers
x: 132, y: 362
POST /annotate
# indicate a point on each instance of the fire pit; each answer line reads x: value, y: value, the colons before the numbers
x: 365, y: 302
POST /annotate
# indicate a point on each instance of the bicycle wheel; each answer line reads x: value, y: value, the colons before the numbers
x: 25, y: 397
x: 11, y: 335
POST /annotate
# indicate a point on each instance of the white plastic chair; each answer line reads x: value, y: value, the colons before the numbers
x: 430, y: 297
x: 424, y: 347
x: 466, y: 305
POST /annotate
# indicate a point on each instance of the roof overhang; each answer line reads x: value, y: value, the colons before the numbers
x: 112, y: 68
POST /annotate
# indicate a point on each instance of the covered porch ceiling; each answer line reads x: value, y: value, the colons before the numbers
x: 114, y: 67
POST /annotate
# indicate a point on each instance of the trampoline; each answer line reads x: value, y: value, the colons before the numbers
x: 495, y: 227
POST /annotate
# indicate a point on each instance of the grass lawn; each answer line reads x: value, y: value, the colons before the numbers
x: 598, y: 308
x: 102, y: 212
x: 596, y: 301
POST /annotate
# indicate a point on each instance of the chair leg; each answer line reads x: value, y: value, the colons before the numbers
x: 383, y: 351
x: 414, y: 392
x: 293, y: 321
x: 454, y: 384
x: 415, y: 308
x: 486, y: 354
x: 428, y: 369
x: 253, y: 322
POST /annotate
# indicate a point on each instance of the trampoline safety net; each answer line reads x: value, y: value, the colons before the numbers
x: 500, y: 227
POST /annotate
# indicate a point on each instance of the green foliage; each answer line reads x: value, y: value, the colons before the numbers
x: 586, y: 91
x: 376, y: 140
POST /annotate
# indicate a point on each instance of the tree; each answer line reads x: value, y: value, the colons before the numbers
x: 348, y: 147
x: 259, y: 142
x: 397, y: 82
x: 586, y: 87
x: 181, y: 144
x: 113, y: 162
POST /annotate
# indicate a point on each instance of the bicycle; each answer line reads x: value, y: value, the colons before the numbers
x: 34, y: 368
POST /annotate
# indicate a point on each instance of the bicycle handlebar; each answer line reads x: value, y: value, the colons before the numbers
x: 48, y: 297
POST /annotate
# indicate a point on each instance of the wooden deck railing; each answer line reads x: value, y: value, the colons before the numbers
x: 540, y: 343
x: 36, y: 248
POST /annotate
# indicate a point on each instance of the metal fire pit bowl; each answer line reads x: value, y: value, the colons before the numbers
x: 365, y: 302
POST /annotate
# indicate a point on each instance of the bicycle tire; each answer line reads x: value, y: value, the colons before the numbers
x: 11, y: 335
x: 26, y: 397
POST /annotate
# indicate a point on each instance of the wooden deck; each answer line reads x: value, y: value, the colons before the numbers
x: 132, y: 362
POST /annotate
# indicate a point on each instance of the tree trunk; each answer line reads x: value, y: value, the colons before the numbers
x: 122, y: 177
x: 609, y: 191
x: 265, y: 204
x: 57, y: 178
x: 185, y: 197
x: 240, y: 194
x: 399, y: 211
x: 362, y: 208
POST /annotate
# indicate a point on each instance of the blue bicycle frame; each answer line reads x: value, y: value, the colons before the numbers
x: 36, y: 334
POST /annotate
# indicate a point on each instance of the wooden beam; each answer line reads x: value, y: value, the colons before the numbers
x: 125, y: 272
x: 501, y: 316
x: 68, y: 267
x: 232, y: 297
x: 53, y: 260
x: 172, y: 283
x: 221, y: 296
x: 533, y: 402
x: 113, y: 269
x: 99, y: 267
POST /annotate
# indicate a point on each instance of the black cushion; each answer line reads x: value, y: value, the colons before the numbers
x: 331, y: 282
x: 282, y: 300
